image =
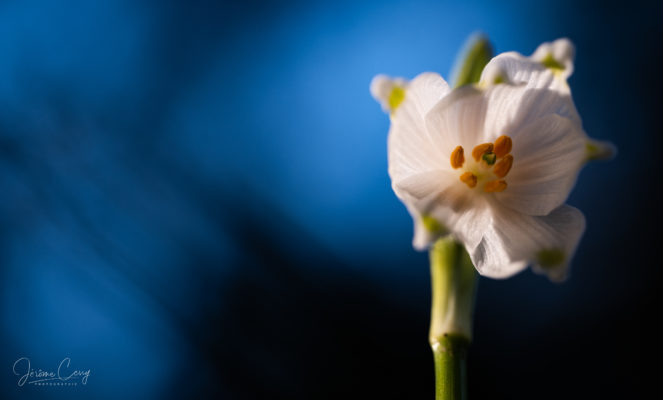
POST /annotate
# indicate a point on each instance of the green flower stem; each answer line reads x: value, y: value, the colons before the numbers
x: 453, y: 282
x: 469, y: 65
x: 450, y: 356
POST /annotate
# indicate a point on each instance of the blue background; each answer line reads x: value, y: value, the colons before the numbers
x: 195, y: 203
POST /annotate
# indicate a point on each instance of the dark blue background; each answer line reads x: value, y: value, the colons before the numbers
x: 195, y: 202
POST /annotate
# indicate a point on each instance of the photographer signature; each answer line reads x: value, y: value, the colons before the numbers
x: 31, y: 376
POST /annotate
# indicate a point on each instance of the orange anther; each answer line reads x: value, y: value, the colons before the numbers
x: 503, y: 166
x: 503, y: 146
x: 457, y: 157
x: 481, y: 149
x: 494, y: 186
x: 469, y: 179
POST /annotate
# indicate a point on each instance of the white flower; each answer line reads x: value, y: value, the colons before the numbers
x: 492, y: 164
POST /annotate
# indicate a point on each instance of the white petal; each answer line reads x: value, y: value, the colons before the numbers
x: 425, y: 90
x: 469, y: 116
x: 440, y: 195
x: 513, y: 240
x: 512, y: 107
x: 382, y: 87
x: 535, y: 71
x: 411, y: 148
x: 426, y: 184
x: 547, y: 156
x: 492, y: 258
x: 465, y: 218
x: 568, y: 224
x: 458, y: 120
x: 515, y: 69
x: 423, y: 236
x: 412, y: 153
x: 562, y: 51
x: 420, y: 193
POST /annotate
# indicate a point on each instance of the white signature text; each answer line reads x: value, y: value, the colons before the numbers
x: 64, y: 373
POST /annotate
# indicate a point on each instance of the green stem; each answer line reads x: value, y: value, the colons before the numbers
x: 453, y: 282
x: 471, y: 60
x: 450, y: 356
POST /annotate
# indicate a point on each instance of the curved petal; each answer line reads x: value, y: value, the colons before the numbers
x: 568, y: 225
x: 426, y: 232
x: 557, y: 55
x: 547, y: 154
x: 547, y: 68
x: 425, y: 184
x: 458, y: 120
x: 514, y: 68
x: 410, y: 147
x: 463, y: 215
x: 425, y: 90
x: 600, y: 150
x: 383, y: 89
x: 511, y: 106
x: 440, y: 197
x: 419, y: 193
x: 513, y: 240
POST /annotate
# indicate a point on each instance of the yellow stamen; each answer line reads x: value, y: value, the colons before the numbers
x: 481, y: 149
x: 503, y: 146
x: 504, y: 166
x: 469, y: 179
x: 457, y: 157
x: 494, y: 186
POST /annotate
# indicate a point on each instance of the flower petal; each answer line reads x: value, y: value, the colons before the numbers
x: 443, y: 199
x: 548, y: 68
x: 568, y: 225
x: 465, y: 217
x: 419, y: 193
x: 426, y: 229
x: 457, y: 120
x: 600, y: 150
x: 425, y: 90
x: 557, y: 55
x: 469, y: 116
x: 513, y: 240
x: 547, y: 154
x: 389, y: 92
x: 411, y: 148
x: 519, y: 104
x: 513, y: 68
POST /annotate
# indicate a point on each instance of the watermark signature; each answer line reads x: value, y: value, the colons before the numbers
x: 63, y: 376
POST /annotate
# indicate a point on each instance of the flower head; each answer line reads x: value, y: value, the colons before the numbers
x: 492, y: 164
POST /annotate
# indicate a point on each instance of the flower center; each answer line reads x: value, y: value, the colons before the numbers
x: 490, y: 164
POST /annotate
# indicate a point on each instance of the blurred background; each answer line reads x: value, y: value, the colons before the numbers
x: 195, y: 202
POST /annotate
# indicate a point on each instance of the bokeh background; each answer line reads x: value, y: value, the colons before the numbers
x: 195, y: 202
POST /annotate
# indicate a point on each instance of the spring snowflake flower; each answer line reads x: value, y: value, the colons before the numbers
x: 493, y: 163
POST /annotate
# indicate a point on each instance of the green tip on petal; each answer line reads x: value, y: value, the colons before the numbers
x: 550, y: 257
x: 431, y: 224
x: 598, y: 150
x: 498, y: 79
x: 396, y: 97
x: 471, y: 61
x: 550, y: 62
